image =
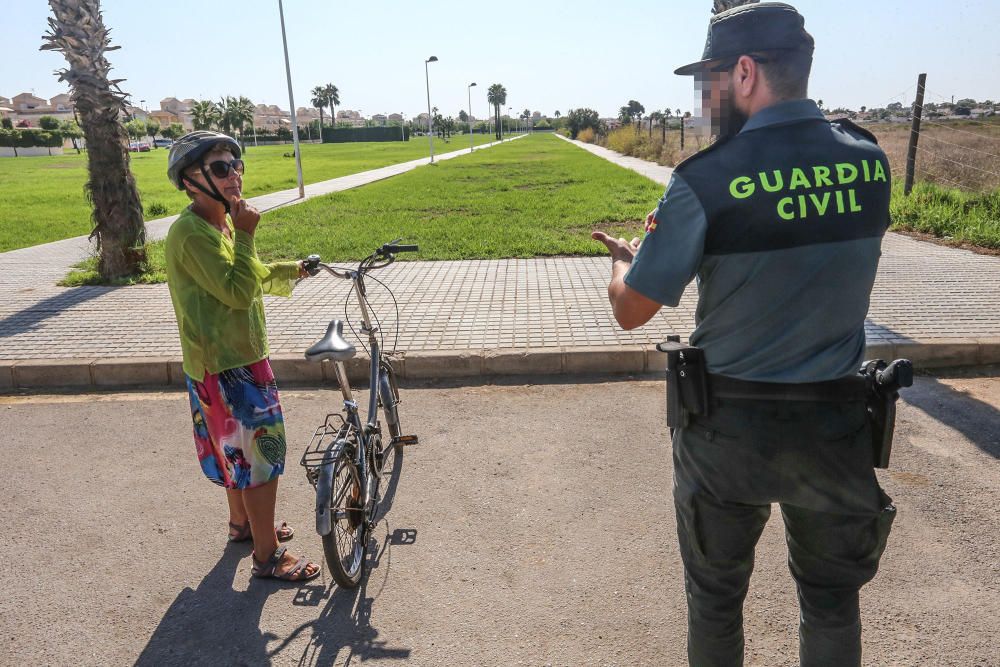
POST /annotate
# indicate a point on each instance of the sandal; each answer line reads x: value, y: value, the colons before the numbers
x: 297, y: 573
x: 242, y: 533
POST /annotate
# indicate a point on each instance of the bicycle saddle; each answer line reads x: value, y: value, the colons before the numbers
x: 332, y: 345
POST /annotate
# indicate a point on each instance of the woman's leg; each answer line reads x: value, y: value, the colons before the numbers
x: 259, y: 504
x: 237, y: 512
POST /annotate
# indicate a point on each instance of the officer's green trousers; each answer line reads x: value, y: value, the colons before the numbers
x: 815, y: 460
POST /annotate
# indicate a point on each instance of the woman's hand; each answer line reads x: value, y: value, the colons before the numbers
x: 302, y: 269
x: 245, y: 216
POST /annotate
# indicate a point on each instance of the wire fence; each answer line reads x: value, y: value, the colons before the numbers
x: 960, y: 153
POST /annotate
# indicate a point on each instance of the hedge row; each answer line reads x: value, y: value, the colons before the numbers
x: 29, y: 137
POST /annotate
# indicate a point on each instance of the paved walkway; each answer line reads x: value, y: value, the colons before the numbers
x: 936, y: 305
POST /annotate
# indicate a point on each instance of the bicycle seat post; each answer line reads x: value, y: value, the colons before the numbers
x: 345, y: 386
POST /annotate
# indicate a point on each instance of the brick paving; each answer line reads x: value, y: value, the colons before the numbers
x: 941, y: 303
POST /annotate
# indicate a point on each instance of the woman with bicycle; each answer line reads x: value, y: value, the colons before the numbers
x: 217, y: 285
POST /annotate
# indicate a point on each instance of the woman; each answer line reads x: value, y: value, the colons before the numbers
x: 217, y: 285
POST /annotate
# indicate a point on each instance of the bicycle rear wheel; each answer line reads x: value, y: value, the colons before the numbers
x: 345, y: 544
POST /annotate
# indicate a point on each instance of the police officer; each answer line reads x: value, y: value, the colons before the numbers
x: 781, y: 220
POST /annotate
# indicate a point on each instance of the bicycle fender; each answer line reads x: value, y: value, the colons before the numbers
x: 388, y: 399
x: 324, y: 491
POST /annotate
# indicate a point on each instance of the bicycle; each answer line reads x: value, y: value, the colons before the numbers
x: 345, y: 461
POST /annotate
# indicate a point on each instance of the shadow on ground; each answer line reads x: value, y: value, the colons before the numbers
x: 28, y: 319
x: 976, y: 420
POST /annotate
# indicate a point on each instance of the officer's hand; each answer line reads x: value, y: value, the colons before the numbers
x: 245, y: 217
x: 620, y: 249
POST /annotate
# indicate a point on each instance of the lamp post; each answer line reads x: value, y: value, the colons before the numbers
x: 402, y: 125
x: 509, y: 109
x: 430, y: 118
x: 472, y: 141
x: 291, y: 104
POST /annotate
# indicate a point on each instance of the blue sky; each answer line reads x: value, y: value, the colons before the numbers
x: 550, y: 56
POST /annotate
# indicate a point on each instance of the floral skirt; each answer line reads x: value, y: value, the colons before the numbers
x: 239, y: 429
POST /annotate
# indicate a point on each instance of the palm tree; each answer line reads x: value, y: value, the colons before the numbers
x: 332, y: 100
x: 76, y: 29
x: 320, y: 100
x: 497, y: 96
x: 658, y: 117
x: 557, y: 113
x: 243, y: 110
x: 204, y: 114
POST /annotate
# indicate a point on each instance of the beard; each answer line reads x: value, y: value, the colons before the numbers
x: 731, y: 119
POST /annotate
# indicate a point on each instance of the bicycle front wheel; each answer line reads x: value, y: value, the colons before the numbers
x: 344, y: 546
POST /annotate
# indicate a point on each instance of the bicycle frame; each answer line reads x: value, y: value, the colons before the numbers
x: 380, y: 383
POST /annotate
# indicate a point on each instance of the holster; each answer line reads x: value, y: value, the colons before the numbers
x: 687, y: 382
x: 883, y: 382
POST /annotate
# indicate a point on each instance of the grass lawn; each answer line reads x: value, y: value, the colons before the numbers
x: 955, y: 216
x: 534, y: 197
x: 42, y: 199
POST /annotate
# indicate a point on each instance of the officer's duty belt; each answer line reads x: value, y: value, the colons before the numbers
x: 852, y: 388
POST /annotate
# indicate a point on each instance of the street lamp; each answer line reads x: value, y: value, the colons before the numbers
x: 430, y: 118
x: 291, y: 105
x: 472, y: 142
x: 509, y: 109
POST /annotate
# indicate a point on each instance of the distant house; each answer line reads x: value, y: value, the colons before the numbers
x: 379, y: 119
x: 396, y: 117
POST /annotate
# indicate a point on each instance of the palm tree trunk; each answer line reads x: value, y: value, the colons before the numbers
x: 77, y: 31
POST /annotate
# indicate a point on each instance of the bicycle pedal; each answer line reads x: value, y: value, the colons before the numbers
x: 405, y: 440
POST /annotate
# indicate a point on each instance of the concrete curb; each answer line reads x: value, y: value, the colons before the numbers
x: 292, y: 369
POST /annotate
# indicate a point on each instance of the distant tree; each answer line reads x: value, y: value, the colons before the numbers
x: 654, y: 116
x: 7, y: 124
x: 895, y: 106
x: 557, y: 114
x: 319, y: 100
x: 578, y: 120
x: 48, y: 123
x: 204, y: 114
x: 135, y: 129
x: 172, y: 131
x: 152, y: 127
x: 863, y: 108
x: 70, y: 130
x: 636, y: 110
x: 819, y: 103
x: 497, y: 96
x: 625, y: 115
x: 462, y: 116
x: 332, y: 99
x: 966, y: 102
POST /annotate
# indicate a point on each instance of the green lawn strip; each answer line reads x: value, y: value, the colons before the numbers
x: 42, y: 198
x: 534, y: 197
x: 949, y: 214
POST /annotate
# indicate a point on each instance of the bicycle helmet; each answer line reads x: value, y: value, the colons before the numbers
x: 188, y: 150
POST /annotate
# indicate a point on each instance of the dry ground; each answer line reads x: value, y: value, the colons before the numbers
x: 532, y: 526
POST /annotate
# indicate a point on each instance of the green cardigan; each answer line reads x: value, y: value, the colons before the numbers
x: 217, y: 287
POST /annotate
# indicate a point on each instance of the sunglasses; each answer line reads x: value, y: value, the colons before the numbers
x: 222, y: 169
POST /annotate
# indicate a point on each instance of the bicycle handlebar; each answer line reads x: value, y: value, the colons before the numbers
x: 386, y: 252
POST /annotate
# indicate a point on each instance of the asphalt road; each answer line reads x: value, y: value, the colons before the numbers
x: 531, y: 526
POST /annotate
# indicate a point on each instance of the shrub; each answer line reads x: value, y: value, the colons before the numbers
x: 9, y: 138
x: 586, y: 135
x: 156, y: 208
x: 30, y: 138
x: 48, y: 123
x: 7, y: 124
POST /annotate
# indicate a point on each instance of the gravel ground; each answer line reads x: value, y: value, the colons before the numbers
x: 531, y: 526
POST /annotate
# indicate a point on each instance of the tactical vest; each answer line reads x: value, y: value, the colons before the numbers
x: 795, y: 216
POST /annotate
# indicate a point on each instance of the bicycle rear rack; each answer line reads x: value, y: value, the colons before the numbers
x: 326, y: 444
